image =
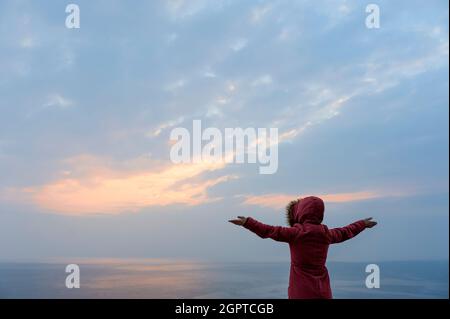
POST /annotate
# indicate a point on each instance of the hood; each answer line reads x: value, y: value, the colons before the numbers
x: 309, y: 210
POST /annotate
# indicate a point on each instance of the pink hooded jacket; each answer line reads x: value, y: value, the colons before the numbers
x: 308, y: 242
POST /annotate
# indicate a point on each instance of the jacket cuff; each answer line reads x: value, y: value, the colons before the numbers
x: 249, y: 223
x: 362, y: 224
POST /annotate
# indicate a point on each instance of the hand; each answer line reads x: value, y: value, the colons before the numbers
x: 240, y: 221
x: 369, y: 222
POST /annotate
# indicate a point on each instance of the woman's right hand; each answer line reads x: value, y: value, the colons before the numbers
x: 240, y: 221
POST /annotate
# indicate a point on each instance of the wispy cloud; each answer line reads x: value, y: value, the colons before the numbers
x: 28, y: 42
x: 54, y: 101
x: 265, y: 79
x: 184, y: 9
x: 165, y: 125
x: 209, y: 74
x: 239, y: 44
x: 173, y: 87
x: 171, y: 38
x: 288, y: 33
x: 58, y: 101
x: 277, y: 201
x: 93, y: 189
x: 322, y: 113
x: 380, y: 75
x: 259, y: 13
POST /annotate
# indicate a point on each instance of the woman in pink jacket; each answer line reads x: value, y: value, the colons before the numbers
x: 308, y: 242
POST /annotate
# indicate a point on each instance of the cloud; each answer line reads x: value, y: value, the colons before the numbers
x: 385, y: 74
x: 239, y: 44
x: 327, y: 110
x: 158, y: 130
x: 263, y: 80
x: 231, y: 87
x: 277, y: 201
x: 287, y: 33
x: 54, y: 101
x: 171, y: 38
x: 67, y: 57
x: 379, y: 74
x: 58, y: 101
x: 183, y: 9
x: 258, y: 13
x: 27, y: 43
x: 214, y: 111
x: 90, y: 188
x: 222, y: 100
x: 336, y: 12
x: 173, y: 87
x: 209, y: 74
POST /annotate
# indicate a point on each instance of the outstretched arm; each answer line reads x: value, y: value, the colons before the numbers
x: 338, y: 235
x: 278, y: 233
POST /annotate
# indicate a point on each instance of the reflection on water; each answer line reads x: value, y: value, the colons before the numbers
x: 165, y: 278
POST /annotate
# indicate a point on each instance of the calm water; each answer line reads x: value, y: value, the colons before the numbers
x: 154, y: 278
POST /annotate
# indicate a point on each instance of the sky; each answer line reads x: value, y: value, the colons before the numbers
x: 86, y: 116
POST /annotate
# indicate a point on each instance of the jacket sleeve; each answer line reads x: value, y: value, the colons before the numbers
x: 338, y: 235
x: 278, y: 233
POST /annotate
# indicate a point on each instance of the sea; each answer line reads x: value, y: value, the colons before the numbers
x: 169, y: 278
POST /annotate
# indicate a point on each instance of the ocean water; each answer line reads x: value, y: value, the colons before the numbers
x: 157, y: 278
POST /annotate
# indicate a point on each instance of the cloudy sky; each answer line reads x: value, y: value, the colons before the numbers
x: 86, y: 116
